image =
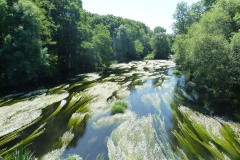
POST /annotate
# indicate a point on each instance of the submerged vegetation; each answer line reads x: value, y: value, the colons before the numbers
x: 20, y: 154
x: 119, y: 107
x: 154, y: 127
x: 205, y: 137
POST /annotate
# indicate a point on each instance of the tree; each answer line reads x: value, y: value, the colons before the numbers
x: 186, y: 15
x: 67, y: 18
x: 123, y: 44
x: 22, y: 54
x: 160, y: 43
x: 159, y: 29
x: 210, y: 50
x: 3, y: 17
x: 208, y: 3
x: 181, y: 24
x: 195, y: 12
x: 234, y: 63
x: 139, y: 49
x: 102, y: 43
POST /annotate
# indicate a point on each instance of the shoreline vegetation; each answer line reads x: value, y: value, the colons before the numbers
x: 207, y: 50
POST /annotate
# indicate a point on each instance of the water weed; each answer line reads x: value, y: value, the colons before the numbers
x: 119, y: 107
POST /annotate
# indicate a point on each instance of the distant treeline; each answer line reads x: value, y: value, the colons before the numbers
x: 207, y: 46
x: 41, y: 39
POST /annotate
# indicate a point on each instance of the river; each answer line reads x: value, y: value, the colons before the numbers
x: 163, y: 119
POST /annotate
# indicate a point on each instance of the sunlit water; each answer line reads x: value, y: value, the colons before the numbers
x: 156, y: 125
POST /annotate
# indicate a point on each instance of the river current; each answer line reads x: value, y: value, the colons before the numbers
x: 162, y: 120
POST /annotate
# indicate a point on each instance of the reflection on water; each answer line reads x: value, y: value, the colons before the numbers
x: 153, y: 126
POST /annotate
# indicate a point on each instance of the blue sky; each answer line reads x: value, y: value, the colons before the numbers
x: 151, y: 12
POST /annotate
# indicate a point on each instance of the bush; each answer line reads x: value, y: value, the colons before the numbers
x: 119, y: 107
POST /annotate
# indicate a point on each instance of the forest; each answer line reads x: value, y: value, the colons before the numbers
x: 43, y: 39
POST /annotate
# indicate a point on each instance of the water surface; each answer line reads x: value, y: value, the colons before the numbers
x: 162, y: 120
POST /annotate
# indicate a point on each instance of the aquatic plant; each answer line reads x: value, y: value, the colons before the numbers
x: 20, y: 154
x: 117, y: 118
x: 25, y: 142
x: 77, y: 84
x: 77, y: 102
x: 204, y: 137
x: 57, y: 153
x: 57, y: 89
x: 136, y: 139
x: 137, y: 82
x: 54, y: 114
x: 149, y: 57
x: 143, y: 87
x: 100, y: 156
x: 92, y: 140
x: 73, y: 157
x: 177, y: 72
x: 13, y: 117
x: 119, y: 107
x: 100, y: 93
x: 78, y: 120
x: 151, y: 99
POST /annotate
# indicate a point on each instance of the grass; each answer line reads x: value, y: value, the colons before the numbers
x: 119, y: 107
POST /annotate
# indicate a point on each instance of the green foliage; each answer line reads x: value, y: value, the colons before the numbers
x: 181, y: 17
x: 149, y: 57
x: 20, y: 154
x: 3, y: 18
x: 234, y: 63
x: 22, y: 53
x: 210, y: 49
x: 139, y: 49
x: 176, y: 72
x: 208, y: 3
x: 41, y: 39
x: 186, y: 15
x: 119, y: 107
x: 73, y: 157
x: 123, y: 43
x: 160, y: 43
x: 102, y: 43
x: 204, y: 137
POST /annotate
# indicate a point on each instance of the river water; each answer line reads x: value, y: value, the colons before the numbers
x: 163, y: 119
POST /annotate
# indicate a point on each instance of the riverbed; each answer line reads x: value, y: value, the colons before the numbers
x: 162, y: 120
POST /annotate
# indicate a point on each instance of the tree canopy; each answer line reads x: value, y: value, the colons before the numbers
x: 209, y: 49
